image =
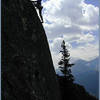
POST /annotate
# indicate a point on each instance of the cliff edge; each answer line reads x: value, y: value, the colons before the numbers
x: 27, y: 68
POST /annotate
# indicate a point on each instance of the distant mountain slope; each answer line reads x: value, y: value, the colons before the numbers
x: 89, y: 80
x: 84, y: 66
x: 86, y: 73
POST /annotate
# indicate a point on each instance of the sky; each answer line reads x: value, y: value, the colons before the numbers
x: 76, y: 22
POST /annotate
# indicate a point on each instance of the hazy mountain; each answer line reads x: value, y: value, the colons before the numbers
x: 86, y: 73
x: 84, y: 66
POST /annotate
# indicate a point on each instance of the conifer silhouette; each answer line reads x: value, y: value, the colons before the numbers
x: 64, y: 64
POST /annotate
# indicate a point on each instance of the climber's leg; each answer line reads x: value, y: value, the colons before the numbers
x: 40, y: 13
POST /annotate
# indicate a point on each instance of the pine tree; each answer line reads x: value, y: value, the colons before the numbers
x: 64, y: 64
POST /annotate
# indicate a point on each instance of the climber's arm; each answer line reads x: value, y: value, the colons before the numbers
x: 34, y: 1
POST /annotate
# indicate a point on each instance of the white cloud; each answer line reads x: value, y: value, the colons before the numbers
x: 86, y: 52
x: 85, y: 38
x: 64, y: 17
x: 74, y: 21
x: 79, y: 38
x: 56, y: 45
x: 56, y: 59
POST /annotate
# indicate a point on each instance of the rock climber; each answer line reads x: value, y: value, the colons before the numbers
x: 39, y: 7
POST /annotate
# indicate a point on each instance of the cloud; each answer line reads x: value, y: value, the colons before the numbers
x: 64, y: 17
x: 79, y: 38
x: 74, y: 21
x: 86, y: 52
x: 56, y: 45
x: 85, y: 38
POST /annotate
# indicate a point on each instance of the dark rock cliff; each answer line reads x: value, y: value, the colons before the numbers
x: 27, y: 68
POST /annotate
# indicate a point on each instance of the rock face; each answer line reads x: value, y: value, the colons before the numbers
x: 27, y: 68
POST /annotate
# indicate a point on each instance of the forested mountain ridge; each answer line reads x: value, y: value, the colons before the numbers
x: 86, y: 74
